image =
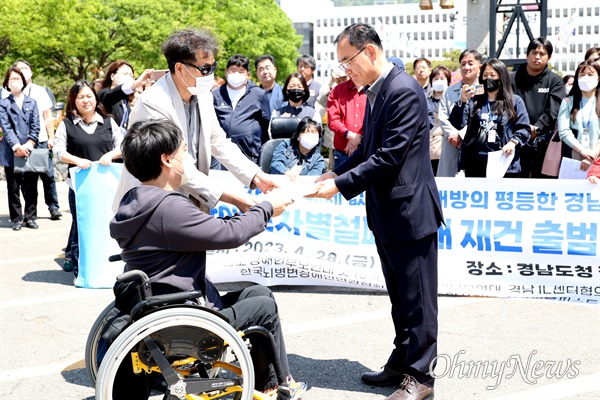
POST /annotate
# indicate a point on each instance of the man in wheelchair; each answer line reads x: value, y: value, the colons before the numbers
x: 163, y: 234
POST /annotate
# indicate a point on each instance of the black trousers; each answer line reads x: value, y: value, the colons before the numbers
x: 16, y: 184
x: 254, y: 305
x: 411, y: 277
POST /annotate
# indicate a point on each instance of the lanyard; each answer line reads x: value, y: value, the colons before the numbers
x: 125, y: 113
x: 491, y: 114
x: 591, y: 104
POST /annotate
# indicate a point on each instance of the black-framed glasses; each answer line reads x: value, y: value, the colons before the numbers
x: 346, y: 64
x: 204, y: 70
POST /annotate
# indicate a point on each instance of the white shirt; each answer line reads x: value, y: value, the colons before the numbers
x: 235, y: 95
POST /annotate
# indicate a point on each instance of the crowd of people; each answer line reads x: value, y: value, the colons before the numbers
x: 192, y: 123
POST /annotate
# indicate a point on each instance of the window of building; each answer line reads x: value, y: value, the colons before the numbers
x: 444, y: 35
x: 345, y: 21
x: 437, y: 52
x: 318, y: 23
x: 557, y: 13
x: 597, y: 11
x: 318, y: 55
x: 565, y: 12
x: 548, y: 31
x: 351, y: 20
x: 401, y: 19
x: 325, y: 23
x: 422, y: 35
x: 430, y: 18
x: 394, y: 20
x: 580, y: 30
x: 407, y: 19
x: 401, y: 54
x: 423, y: 18
x: 588, y: 30
x: 331, y: 39
x: 581, y: 12
x: 444, y: 16
x: 589, y: 11
x: 437, y: 17
x: 387, y: 20
x: 572, y: 65
x: 339, y: 22
x: 325, y: 39
x: 416, y: 19
x: 318, y: 39
x: 437, y: 36
x: 331, y: 22
x: 595, y: 29
x: 373, y: 20
x: 416, y: 36
x: 429, y: 36
x: 580, y: 48
x: 331, y: 57
x: 451, y: 35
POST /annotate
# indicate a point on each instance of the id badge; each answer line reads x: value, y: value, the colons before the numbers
x: 492, y: 136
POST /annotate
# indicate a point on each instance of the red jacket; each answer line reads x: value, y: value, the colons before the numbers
x: 345, y: 112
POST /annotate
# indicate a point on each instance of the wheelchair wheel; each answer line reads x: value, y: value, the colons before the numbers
x: 95, y: 346
x: 160, y: 328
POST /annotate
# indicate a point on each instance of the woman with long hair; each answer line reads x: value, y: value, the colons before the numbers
x: 118, y: 88
x: 300, y: 154
x: 86, y: 135
x: 578, y: 116
x: 498, y: 120
x: 20, y: 125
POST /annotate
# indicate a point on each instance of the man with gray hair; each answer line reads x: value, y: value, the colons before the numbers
x: 183, y: 96
x: 307, y: 65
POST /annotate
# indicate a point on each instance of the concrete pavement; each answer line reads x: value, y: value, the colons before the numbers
x: 332, y: 335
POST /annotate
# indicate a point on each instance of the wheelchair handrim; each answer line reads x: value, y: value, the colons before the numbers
x: 164, y: 319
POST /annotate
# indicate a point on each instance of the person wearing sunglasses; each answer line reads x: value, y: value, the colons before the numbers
x: 184, y: 97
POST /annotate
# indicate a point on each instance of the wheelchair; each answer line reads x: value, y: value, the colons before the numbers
x: 185, y: 350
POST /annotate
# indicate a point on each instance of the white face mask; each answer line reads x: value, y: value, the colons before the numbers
x: 27, y: 74
x: 124, y: 80
x: 440, y: 85
x: 187, y: 164
x: 309, y: 141
x: 588, y: 83
x: 568, y: 88
x: 204, y: 84
x: 15, y: 86
x: 236, y: 79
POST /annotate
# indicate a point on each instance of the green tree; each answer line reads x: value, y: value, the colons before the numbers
x: 72, y: 39
x: 251, y: 28
x: 66, y: 40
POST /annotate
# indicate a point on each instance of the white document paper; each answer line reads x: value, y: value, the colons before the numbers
x: 569, y: 169
x: 498, y: 164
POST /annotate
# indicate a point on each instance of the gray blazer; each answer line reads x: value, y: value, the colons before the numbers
x: 448, y: 164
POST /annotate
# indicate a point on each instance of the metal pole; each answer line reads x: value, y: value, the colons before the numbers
x: 492, y: 52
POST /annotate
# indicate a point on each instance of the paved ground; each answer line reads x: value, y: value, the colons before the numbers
x: 333, y: 335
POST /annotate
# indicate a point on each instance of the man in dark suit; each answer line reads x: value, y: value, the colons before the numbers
x: 403, y: 208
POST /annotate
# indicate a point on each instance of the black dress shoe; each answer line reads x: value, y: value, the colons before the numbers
x: 386, y: 377
x: 55, y: 215
x: 31, y: 224
x: 16, y: 226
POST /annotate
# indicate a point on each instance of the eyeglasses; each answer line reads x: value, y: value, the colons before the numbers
x: 204, y: 70
x: 346, y: 65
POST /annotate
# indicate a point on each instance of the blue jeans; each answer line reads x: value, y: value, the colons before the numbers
x: 50, y: 195
x: 72, y: 249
